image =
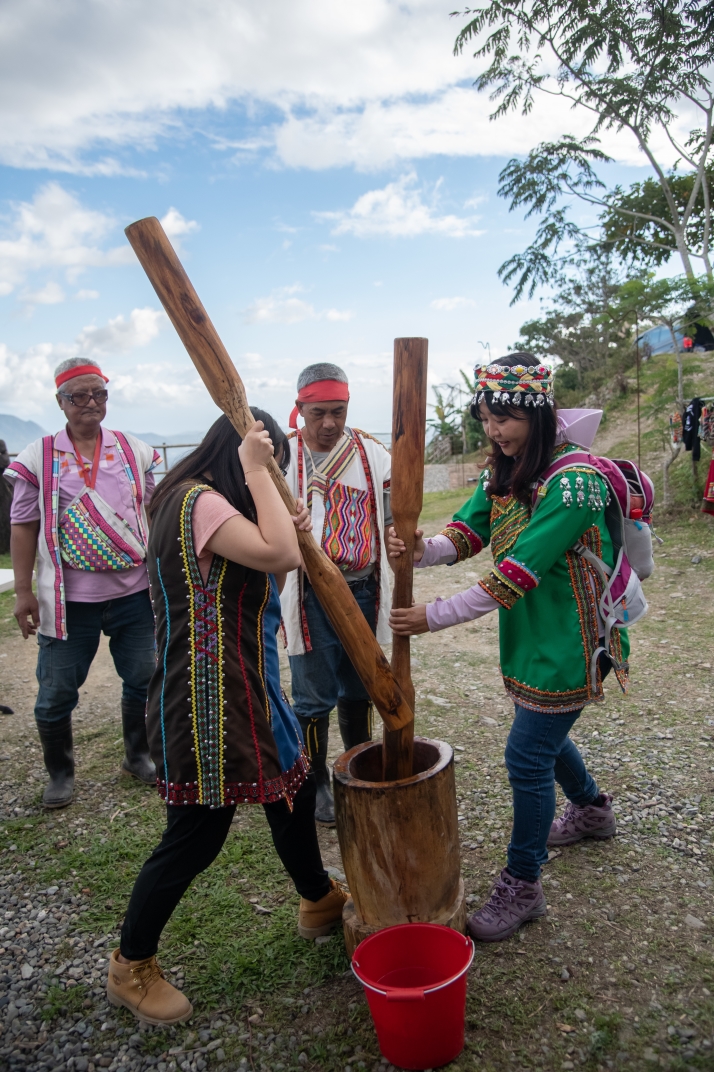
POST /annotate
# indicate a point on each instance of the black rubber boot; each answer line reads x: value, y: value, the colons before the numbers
x: 316, y: 731
x: 56, y: 740
x: 355, y: 722
x: 137, y: 762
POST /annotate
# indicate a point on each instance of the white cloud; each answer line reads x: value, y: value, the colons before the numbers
x: 177, y: 225
x: 26, y: 378
x: 50, y: 294
x: 119, y: 336
x: 73, y: 77
x: 448, y: 305
x: 365, y: 84
x: 268, y: 383
x: 55, y: 231
x: 26, y: 384
x: 86, y: 295
x: 282, y: 307
x: 156, y: 384
x: 400, y: 211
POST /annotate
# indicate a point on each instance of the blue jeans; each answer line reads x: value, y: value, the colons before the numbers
x: 325, y: 675
x: 539, y: 753
x: 63, y: 665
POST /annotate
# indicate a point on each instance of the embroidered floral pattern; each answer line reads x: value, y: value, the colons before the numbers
x: 347, y: 533
x: 509, y: 518
x: 285, y: 787
x: 542, y: 700
x: 206, y: 672
x: 503, y: 591
x: 518, y: 573
x: 587, y: 589
x: 465, y: 540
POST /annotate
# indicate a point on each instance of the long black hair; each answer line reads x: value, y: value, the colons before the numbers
x: 217, y: 454
x: 517, y: 475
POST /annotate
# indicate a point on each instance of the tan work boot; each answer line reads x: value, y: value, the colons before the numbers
x: 141, y: 988
x: 320, y: 917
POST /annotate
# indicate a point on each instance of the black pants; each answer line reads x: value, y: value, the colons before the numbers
x: 194, y: 836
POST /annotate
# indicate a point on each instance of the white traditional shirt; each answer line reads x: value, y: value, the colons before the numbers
x: 345, y: 496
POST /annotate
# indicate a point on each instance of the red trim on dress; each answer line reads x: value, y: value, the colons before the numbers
x: 249, y: 700
x: 375, y: 515
x: 23, y: 473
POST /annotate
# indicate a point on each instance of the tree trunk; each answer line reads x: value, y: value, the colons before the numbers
x: 674, y: 453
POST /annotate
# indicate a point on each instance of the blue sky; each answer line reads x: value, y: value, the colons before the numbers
x: 326, y: 170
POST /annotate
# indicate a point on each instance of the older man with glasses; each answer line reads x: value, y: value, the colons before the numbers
x: 78, y: 511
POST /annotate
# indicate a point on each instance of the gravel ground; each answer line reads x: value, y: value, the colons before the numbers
x: 620, y: 975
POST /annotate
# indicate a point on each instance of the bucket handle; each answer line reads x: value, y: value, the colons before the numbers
x: 406, y: 994
x: 396, y: 993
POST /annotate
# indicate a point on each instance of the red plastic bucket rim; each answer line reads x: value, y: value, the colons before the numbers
x: 400, y: 993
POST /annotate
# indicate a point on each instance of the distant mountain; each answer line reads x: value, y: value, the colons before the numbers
x: 17, y: 434
x: 173, y: 454
x: 181, y: 437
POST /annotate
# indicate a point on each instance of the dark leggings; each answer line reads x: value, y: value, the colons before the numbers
x: 194, y: 836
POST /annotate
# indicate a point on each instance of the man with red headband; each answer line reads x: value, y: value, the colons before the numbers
x: 78, y: 509
x: 343, y: 475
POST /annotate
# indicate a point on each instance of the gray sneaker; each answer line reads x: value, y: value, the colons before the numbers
x: 594, y: 820
x: 512, y: 902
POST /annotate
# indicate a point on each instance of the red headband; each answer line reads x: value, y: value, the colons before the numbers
x: 79, y: 370
x: 321, y: 391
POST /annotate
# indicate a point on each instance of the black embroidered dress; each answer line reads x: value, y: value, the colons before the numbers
x: 220, y: 729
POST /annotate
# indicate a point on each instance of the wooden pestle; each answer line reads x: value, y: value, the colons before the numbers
x: 185, y: 311
x: 408, y: 436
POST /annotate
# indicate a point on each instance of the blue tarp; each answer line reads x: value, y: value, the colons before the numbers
x: 659, y: 339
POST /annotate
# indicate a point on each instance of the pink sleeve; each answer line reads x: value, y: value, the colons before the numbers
x: 438, y: 551
x: 25, y: 505
x: 209, y: 512
x: 463, y: 607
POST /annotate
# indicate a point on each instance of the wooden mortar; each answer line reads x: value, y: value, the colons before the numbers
x: 399, y: 841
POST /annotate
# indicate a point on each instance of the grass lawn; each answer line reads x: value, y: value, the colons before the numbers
x: 614, y: 977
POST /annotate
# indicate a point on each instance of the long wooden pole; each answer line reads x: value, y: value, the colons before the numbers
x: 408, y: 440
x: 185, y: 311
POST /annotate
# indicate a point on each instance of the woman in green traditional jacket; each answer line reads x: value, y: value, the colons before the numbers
x: 549, y: 625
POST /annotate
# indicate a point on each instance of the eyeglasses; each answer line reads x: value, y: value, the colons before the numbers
x: 83, y: 398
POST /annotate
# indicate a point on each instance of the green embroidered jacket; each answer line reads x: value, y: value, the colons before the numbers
x: 548, y: 620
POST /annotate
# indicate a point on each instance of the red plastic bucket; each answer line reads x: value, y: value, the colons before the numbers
x: 415, y: 979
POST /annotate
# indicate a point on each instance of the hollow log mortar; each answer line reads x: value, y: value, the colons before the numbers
x: 399, y: 841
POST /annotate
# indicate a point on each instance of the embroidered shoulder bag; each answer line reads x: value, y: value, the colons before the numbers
x: 92, y: 535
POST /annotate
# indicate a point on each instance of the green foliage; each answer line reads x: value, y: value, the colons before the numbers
x: 452, y: 419
x: 446, y: 419
x: 629, y: 67
x: 577, y: 330
x: 60, y: 1002
x: 637, y: 223
x: 473, y: 429
x: 606, y: 1033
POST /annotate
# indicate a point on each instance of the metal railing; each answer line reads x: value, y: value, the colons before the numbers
x: 164, y: 448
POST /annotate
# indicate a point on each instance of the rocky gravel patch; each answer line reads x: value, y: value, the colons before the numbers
x: 619, y: 976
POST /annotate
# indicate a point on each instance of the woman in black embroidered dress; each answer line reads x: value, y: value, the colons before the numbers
x: 220, y: 729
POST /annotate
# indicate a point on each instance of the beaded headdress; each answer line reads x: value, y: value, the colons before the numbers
x: 530, y: 384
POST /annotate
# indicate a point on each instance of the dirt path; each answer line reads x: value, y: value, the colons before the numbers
x: 619, y: 975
